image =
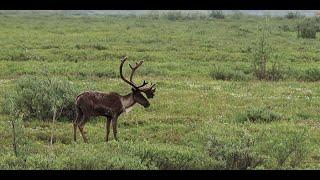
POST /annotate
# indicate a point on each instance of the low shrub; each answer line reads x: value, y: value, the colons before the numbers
x: 178, y: 15
x: 293, y: 15
x: 90, y: 46
x: 234, y: 148
x: 259, y: 115
x: 174, y: 15
x: 307, y: 28
x: 285, y: 28
x: 284, y: 147
x: 276, y: 72
x: 9, y: 161
x: 217, y: 14
x: 98, y: 157
x: 34, y: 96
x: 219, y: 73
x: 169, y: 157
x: 281, y: 145
x: 310, y: 75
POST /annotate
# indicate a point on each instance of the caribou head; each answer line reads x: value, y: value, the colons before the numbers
x: 138, y: 90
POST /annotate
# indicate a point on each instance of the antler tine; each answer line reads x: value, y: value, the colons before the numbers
x: 144, y: 83
x: 124, y: 58
x: 121, y: 73
x: 153, y: 89
x: 149, y: 88
x: 149, y: 91
x: 133, y: 69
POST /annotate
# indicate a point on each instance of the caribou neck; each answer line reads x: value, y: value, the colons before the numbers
x: 127, y: 101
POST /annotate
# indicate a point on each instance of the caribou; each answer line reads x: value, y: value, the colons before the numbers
x: 110, y: 105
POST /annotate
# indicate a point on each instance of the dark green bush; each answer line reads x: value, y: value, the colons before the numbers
x: 259, y: 115
x: 275, y: 73
x: 287, y: 28
x: 310, y: 75
x: 34, y: 96
x: 293, y: 15
x: 220, y: 73
x: 217, y: 14
x: 307, y: 28
x: 108, y: 74
x: 90, y: 46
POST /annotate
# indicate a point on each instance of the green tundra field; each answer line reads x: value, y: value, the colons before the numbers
x: 210, y: 111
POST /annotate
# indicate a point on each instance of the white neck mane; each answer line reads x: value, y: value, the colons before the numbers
x: 127, y: 103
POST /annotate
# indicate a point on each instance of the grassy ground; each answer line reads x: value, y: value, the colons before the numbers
x: 193, y: 121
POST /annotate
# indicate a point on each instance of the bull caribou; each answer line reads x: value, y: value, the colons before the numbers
x: 110, y: 105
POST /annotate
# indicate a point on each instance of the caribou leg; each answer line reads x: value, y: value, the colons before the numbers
x: 114, y: 128
x: 82, y: 130
x: 78, y: 119
x: 107, y: 129
x: 75, y: 131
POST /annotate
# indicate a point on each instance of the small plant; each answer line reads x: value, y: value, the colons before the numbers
x: 293, y: 15
x: 286, y: 28
x: 275, y: 73
x: 261, y: 53
x: 259, y: 115
x: 19, y: 142
x: 90, y: 46
x: 217, y: 14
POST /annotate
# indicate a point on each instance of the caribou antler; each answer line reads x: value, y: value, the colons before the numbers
x: 133, y: 69
x: 149, y: 91
x: 121, y: 74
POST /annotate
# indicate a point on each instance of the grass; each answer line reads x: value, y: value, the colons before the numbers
x: 191, y: 123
